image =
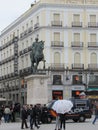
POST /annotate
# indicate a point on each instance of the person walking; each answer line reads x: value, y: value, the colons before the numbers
x: 7, y: 113
x: 44, y: 114
x: 96, y: 115
x: 57, y: 124
x: 35, y: 117
x: 24, y: 115
x: 0, y: 116
x: 31, y: 116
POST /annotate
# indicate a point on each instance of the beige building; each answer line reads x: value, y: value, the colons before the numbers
x: 70, y: 31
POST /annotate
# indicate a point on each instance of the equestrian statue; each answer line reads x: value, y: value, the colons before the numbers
x: 36, y: 54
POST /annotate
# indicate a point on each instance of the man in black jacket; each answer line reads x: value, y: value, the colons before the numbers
x: 24, y: 115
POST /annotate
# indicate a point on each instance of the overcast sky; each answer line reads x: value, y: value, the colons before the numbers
x: 10, y: 10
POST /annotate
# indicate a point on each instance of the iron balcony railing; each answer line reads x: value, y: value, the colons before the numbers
x: 56, y: 23
x: 93, y: 24
x: 76, y: 44
x: 93, y: 66
x: 57, y: 66
x: 77, y: 66
x: 57, y: 44
x: 36, y: 26
x: 92, y: 44
x: 76, y: 24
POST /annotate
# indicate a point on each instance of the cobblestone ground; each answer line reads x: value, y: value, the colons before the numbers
x: 70, y: 125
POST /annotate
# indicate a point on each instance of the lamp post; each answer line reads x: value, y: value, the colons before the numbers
x: 86, y: 73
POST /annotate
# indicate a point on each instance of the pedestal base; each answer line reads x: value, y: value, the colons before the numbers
x: 37, y: 90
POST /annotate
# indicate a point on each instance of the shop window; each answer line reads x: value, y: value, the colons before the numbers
x: 76, y: 93
x: 57, y: 95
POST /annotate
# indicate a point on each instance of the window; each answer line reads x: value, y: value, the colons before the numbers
x: 57, y: 36
x: 31, y: 23
x: 76, y: 37
x: 56, y: 17
x: 77, y: 79
x: 93, y: 81
x: 77, y: 58
x: 93, y: 38
x: 93, y: 58
x: 57, y: 59
x: 22, y: 62
x: 76, y: 93
x: 76, y: 18
x: 27, y: 26
x: 57, y: 80
x: 57, y: 95
x: 93, y: 18
x: 37, y: 20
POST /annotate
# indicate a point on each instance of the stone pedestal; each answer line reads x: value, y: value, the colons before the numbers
x: 37, y: 90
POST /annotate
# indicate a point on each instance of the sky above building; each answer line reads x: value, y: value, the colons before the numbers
x: 10, y: 10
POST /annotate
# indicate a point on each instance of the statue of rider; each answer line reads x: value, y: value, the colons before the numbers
x: 34, y: 45
x: 36, y: 54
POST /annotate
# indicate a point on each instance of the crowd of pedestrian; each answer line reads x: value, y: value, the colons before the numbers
x: 36, y: 114
x: 7, y: 112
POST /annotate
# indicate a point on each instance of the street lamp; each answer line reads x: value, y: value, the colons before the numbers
x: 86, y: 73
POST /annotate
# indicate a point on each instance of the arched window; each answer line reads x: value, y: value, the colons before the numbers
x: 77, y: 58
x: 93, y: 58
x: 57, y: 57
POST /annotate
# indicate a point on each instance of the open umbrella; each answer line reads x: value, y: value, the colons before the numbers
x: 62, y: 106
x: 49, y: 106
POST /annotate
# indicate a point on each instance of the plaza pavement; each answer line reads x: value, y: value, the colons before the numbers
x: 70, y: 125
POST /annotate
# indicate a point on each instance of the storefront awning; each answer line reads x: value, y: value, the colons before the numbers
x: 92, y: 89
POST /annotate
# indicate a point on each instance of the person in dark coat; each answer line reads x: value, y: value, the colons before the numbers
x: 24, y: 115
x: 96, y: 115
x: 44, y: 114
x: 31, y: 117
x: 0, y: 115
x: 35, y: 117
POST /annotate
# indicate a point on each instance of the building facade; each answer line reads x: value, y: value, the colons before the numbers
x: 70, y: 31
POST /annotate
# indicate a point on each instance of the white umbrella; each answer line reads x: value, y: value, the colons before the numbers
x: 62, y: 106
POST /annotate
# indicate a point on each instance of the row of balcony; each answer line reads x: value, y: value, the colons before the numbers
x: 7, y: 60
x: 53, y: 23
x: 15, y: 39
x: 73, y: 24
x: 60, y: 24
x: 76, y: 24
x: 52, y: 67
x: 25, y: 50
x: 7, y: 89
x: 26, y: 32
x: 74, y: 44
x: 57, y: 66
x: 81, y: 66
x: 53, y: 44
x: 8, y: 76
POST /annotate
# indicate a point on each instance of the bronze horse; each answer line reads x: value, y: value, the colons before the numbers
x: 36, y: 55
